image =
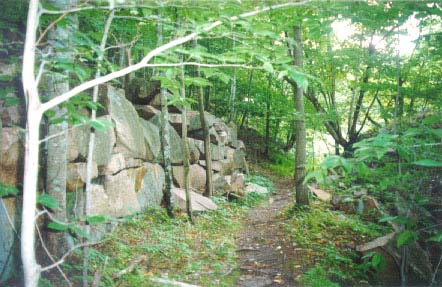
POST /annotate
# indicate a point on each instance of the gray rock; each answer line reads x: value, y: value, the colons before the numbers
x: 176, y: 148
x: 253, y: 187
x: 152, y: 138
x: 218, y: 152
x: 9, y: 242
x: 238, y: 182
x: 76, y: 175
x: 198, y: 134
x: 194, y: 153
x: 100, y: 204
x: 223, y: 184
x: 197, y: 175
x: 239, y: 160
x: 129, y: 131
x: 232, y: 135
x: 224, y: 167
x: 116, y: 163
x: 121, y: 190
x: 146, y: 112
x: 12, y: 153
x: 199, y: 202
x: 151, y: 192
x: 78, y: 142
x: 195, y: 123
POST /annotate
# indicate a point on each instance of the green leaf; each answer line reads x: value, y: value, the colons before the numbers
x: 58, y: 226
x: 406, y: 237
x: 268, y: 67
x: 6, y: 190
x: 96, y: 219
x: 387, y: 218
x: 300, y: 78
x: 428, y: 163
x: 436, y: 238
x: 199, y: 82
x: 78, y: 231
x: 48, y: 201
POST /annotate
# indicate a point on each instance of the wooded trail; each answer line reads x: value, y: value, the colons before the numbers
x: 262, y: 259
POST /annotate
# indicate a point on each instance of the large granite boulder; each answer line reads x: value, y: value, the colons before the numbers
x: 11, y: 156
x: 199, y: 202
x: 232, y: 135
x: 176, y: 148
x: 122, y: 189
x: 117, y: 163
x: 197, y: 175
x: 76, y: 175
x: 128, y: 128
x: 151, y: 192
x: 195, y: 123
x: 152, y: 138
x: 78, y: 143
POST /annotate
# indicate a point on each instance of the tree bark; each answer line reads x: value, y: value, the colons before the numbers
x: 300, y: 156
x: 165, y: 138
x: 56, y: 161
x: 206, y: 136
x: 185, y: 144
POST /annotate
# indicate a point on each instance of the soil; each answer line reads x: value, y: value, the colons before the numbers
x: 264, y: 257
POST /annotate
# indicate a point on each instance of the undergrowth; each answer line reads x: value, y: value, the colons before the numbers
x: 151, y: 245
x: 326, y: 241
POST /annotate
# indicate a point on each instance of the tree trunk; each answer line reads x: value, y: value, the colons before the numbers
x: 232, y: 92
x: 185, y: 144
x: 165, y: 138
x: 300, y: 156
x: 267, y: 135
x: 56, y: 161
x: 206, y: 135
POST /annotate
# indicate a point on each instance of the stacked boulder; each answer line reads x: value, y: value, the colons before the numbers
x: 128, y: 175
x: 127, y: 172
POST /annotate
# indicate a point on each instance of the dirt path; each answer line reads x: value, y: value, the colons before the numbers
x: 262, y: 257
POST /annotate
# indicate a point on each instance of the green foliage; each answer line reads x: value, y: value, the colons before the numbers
x: 7, y: 190
x: 48, y: 201
x: 324, y: 235
x: 282, y: 164
x: 317, y: 276
x: 262, y: 181
x: 375, y: 261
x: 406, y: 237
x: 173, y: 248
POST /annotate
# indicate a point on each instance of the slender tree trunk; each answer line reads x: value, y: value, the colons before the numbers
x: 300, y: 156
x: 56, y: 162
x: 232, y: 93
x: 206, y: 135
x: 185, y: 144
x: 90, y: 153
x: 165, y: 138
x: 31, y: 268
x: 206, y: 98
x: 267, y: 135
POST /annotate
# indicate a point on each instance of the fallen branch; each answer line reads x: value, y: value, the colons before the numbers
x: 131, y: 266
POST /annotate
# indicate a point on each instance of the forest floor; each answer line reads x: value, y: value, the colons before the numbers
x: 264, y: 259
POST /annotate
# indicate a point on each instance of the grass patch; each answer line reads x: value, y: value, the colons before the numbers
x: 281, y: 164
x: 203, y: 253
x: 326, y: 241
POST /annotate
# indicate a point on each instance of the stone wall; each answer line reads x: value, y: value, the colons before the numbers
x: 127, y: 172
